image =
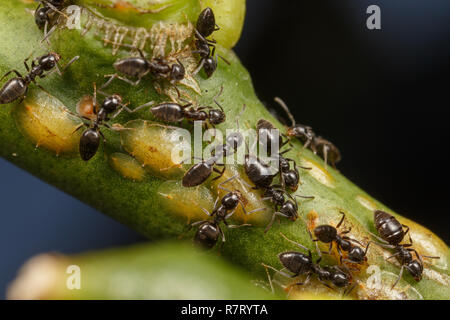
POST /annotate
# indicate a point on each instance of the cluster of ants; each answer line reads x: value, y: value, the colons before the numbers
x: 391, y: 234
x: 258, y: 172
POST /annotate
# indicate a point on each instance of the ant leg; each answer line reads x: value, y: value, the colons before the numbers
x: 148, y: 104
x: 329, y: 249
x: 382, y: 241
x: 399, y: 277
x: 296, y: 243
x: 253, y: 211
x: 200, y: 66
x: 206, y: 211
x: 78, y: 127
x: 353, y: 240
x: 286, y: 109
x: 124, y: 107
x: 69, y: 63
x: 104, y: 139
x: 60, y: 73
x: 268, y: 277
x: 48, y: 34
x: 279, y: 271
x: 116, y: 76
x: 305, y: 197
x: 394, y: 255
x: 346, y: 293
x: 325, y: 156
x: 407, y: 230
x: 299, y: 283
x: 340, y: 254
x: 9, y: 72
x: 234, y: 226
x: 197, y: 223
x: 342, y: 219
x: 273, y: 219
x: 42, y: 88
x: 226, y: 181
x: 219, y: 172
x: 225, y: 60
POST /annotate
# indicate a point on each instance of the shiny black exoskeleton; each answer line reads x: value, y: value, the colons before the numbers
x: 301, y: 264
x: 200, y: 172
x: 302, y: 132
x: 392, y: 233
x: 259, y: 173
x: 90, y: 139
x: 139, y: 67
x: 389, y: 228
x: 206, y: 25
x: 329, y: 234
x: 269, y: 136
x: 209, y: 231
x: 17, y: 87
x: 320, y: 146
x: 174, y: 112
x: 46, y: 12
x: 283, y: 208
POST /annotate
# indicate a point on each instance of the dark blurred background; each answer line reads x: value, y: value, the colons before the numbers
x: 379, y: 95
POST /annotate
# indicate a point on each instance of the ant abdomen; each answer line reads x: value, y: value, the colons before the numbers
x: 89, y: 143
x: 207, y: 235
x: 325, y: 233
x: 13, y: 88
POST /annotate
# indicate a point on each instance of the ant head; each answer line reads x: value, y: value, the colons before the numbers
x: 356, y: 254
x: 41, y: 17
x: 207, y: 235
x: 416, y: 269
x: 177, y: 72
x: 210, y: 66
x: 284, y: 164
x: 340, y: 279
x: 216, y: 116
x: 289, y: 208
x: 231, y: 200
x: 111, y: 103
x: 49, y: 61
x: 291, y: 179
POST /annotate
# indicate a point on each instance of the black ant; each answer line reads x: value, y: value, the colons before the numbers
x: 200, y: 172
x: 324, y: 148
x: 268, y: 136
x: 391, y: 232
x: 17, y: 87
x: 301, y: 264
x: 206, y: 25
x: 174, y: 112
x: 90, y: 139
x: 287, y: 209
x: 45, y: 15
x: 304, y: 133
x: 328, y: 234
x: 138, y: 67
x: 208, y: 232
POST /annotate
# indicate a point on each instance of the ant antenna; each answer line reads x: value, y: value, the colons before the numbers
x: 286, y: 109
